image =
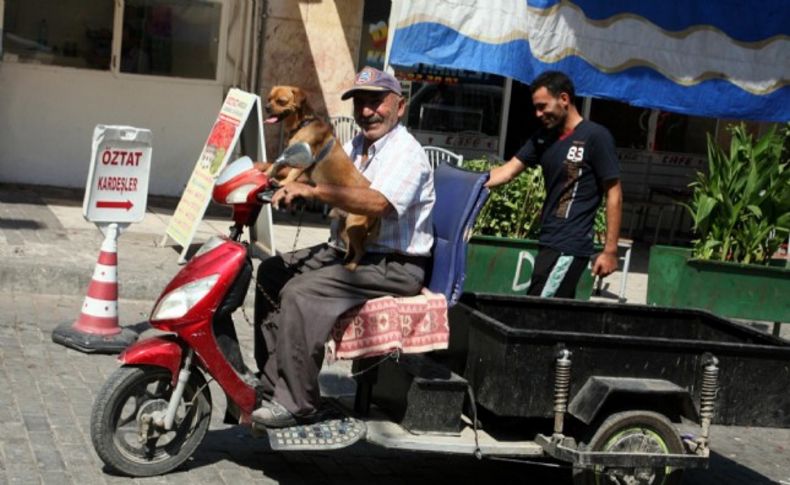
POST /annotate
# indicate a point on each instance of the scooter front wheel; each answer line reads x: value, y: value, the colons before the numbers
x: 126, y: 421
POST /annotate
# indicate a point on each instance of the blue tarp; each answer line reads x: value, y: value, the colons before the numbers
x: 724, y: 58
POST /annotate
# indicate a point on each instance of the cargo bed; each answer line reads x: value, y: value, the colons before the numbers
x: 506, y: 346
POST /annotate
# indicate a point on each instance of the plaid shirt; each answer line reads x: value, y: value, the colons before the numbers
x: 398, y: 168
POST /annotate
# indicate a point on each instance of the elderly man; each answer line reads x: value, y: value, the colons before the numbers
x: 300, y: 295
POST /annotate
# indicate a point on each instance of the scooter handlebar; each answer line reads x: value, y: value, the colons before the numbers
x: 266, y: 195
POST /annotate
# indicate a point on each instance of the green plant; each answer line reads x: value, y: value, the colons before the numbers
x: 741, y: 207
x: 513, y: 210
x: 599, y: 223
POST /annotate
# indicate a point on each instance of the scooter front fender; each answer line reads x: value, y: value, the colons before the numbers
x: 157, y: 351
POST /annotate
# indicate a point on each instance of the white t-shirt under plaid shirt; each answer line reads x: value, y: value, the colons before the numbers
x: 398, y: 168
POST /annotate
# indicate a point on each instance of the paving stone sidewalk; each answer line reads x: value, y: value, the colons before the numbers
x: 47, y: 392
x: 47, y: 254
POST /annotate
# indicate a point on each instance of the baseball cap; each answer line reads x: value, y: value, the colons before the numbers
x: 372, y: 79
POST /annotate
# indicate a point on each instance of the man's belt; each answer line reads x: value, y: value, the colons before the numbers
x: 421, y: 261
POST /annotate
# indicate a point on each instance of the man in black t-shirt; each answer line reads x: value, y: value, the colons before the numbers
x: 579, y: 166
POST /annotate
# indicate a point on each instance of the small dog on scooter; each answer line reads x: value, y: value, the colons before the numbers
x: 288, y: 105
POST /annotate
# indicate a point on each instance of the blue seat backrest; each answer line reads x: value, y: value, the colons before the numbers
x: 460, y: 195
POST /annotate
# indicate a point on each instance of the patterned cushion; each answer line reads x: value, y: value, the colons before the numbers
x: 409, y: 325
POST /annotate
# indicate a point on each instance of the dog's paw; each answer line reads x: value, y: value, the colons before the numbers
x: 336, y: 213
x: 351, y: 266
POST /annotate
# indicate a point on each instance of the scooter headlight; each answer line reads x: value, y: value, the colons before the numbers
x: 179, y: 301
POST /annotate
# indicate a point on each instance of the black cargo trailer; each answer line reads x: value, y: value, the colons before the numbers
x: 596, y: 385
x: 508, y: 343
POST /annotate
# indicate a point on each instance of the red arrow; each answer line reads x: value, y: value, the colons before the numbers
x: 107, y: 204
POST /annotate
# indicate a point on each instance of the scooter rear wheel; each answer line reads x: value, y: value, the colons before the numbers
x: 129, y: 398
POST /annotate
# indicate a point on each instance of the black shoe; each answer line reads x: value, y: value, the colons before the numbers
x: 273, y: 415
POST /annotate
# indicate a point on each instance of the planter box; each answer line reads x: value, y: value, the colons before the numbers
x: 729, y: 289
x: 504, y: 266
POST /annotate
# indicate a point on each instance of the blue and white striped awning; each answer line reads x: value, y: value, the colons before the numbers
x: 717, y: 58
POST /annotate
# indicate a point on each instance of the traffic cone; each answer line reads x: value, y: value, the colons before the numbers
x: 96, y: 329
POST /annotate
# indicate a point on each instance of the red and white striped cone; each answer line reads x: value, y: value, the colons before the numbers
x: 96, y: 329
x: 99, y: 313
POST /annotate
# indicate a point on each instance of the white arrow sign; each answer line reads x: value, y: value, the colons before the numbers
x: 117, y: 187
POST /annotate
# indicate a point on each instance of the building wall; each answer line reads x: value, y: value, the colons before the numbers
x: 313, y: 45
x: 47, y: 114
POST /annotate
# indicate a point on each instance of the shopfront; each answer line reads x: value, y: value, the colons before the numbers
x: 67, y: 65
x: 659, y: 108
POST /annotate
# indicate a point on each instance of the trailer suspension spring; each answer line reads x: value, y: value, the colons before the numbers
x: 708, y: 393
x: 562, y: 382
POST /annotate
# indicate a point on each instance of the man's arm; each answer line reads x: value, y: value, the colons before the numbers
x: 356, y: 200
x: 506, y: 172
x: 606, y: 262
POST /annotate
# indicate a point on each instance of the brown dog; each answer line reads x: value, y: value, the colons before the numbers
x: 288, y: 105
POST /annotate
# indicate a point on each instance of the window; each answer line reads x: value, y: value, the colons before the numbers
x: 627, y: 124
x: 174, y: 38
x: 170, y: 38
x: 683, y: 133
x: 674, y: 132
x: 454, y: 101
x: 70, y: 33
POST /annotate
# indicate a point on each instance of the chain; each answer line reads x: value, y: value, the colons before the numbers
x: 296, y: 236
x: 272, y: 302
x: 395, y: 355
x: 269, y: 299
x: 478, y: 453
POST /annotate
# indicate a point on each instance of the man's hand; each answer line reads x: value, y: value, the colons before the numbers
x: 291, y: 191
x: 605, y: 264
x: 262, y: 166
x: 502, y: 174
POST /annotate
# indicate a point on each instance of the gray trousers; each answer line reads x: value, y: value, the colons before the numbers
x: 312, y: 289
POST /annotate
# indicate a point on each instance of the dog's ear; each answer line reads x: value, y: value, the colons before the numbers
x: 299, y: 96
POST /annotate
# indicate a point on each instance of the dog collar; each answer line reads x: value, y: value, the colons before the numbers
x: 301, y: 125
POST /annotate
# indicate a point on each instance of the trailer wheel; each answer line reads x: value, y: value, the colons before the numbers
x: 630, y: 431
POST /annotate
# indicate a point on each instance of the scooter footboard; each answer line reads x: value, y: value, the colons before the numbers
x: 156, y: 351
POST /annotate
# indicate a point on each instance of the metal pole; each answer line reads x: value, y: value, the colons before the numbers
x: 506, y: 96
x: 586, y: 107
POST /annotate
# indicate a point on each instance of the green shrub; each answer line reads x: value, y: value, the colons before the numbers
x: 512, y: 210
x: 741, y: 207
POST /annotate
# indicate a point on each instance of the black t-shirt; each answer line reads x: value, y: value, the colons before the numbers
x: 575, y: 168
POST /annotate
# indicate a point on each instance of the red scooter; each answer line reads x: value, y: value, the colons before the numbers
x: 153, y: 412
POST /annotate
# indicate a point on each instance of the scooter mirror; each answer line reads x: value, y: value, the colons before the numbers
x: 298, y: 155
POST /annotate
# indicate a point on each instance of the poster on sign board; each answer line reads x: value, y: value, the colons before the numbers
x: 233, y: 118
